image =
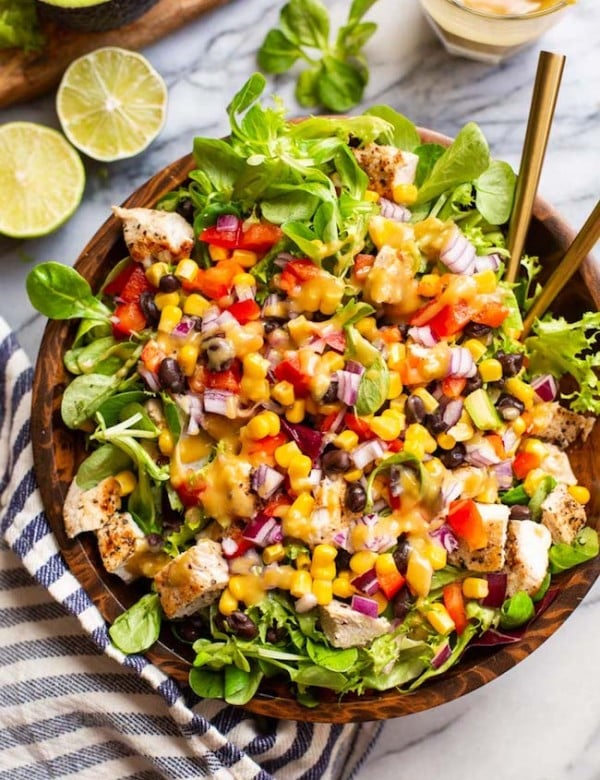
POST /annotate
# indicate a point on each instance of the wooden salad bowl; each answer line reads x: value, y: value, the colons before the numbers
x: 58, y: 451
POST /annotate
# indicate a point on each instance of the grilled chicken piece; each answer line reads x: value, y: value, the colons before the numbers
x: 556, y: 463
x: 526, y: 556
x: 194, y: 579
x: 120, y: 541
x: 552, y: 422
x: 387, y: 167
x: 345, y: 627
x: 88, y: 510
x: 153, y: 235
x: 492, y: 557
x: 562, y: 515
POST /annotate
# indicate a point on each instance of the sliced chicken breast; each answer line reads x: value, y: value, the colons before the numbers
x: 88, y: 510
x: 153, y: 235
x: 345, y: 627
x: 120, y: 540
x: 562, y: 515
x: 526, y: 556
x: 492, y: 557
x: 387, y: 167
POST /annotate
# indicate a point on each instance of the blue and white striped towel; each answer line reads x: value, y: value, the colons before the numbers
x: 71, y: 705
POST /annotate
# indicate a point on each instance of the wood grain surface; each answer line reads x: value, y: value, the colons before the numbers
x: 26, y: 76
x: 58, y: 450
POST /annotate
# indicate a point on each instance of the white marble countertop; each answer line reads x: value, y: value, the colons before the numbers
x: 541, y: 720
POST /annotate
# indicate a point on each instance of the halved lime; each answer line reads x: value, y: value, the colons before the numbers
x: 41, y: 179
x: 111, y: 103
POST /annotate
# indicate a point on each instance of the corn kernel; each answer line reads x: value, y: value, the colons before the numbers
x: 353, y: 476
x: 342, y: 586
x: 324, y: 553
x: 285, y: 453
x: 296, y: 412
x: 490, y: 370
x: 436, y: 468
x: 385, y: 564
x: 245, y: 258
x: 303, y: 561
x: 463, y: 430
x: 323, y: 571
x: 255, y: 366
x: 436, y: 555
x: 156, y: 272
x: 521, y: 390
x: 127, y: 482
x: 256, y: 390
x: 303, y: 505
x: 283, y: 393
x: 396, y: 356
x: 535, y: 447
x: 395, y: 386
x: 285, y: 577
x: 418, y: 441
x: 169, y: 318
x: 371, y: 196
x: 323, y: 590
x: 331, y: 298
x: 405, y: 194
x: 475, y: 588
x: 300, y: 466
x: 227, y: 603
x: 264, y: 424
x: 367, y: 327
x: 360, y: 536
x: 330, y: 362
x: 271, y: 574
x: 273, y: 553
x: 246, y: 587
x: 195, y: 305
x: 580, y: 493
x: 347, y: 440
x: 187, y: 357
x: 166, y: 444
x: 363, y: 561
x: 301, y: 583
x: 519, y: 426
x: 430, y: 285
x: 533, y: 480
x: 186, y: 269
x: 476, y: 348
x: 419, y: 573
x: 429, y: 401
x: 382, y: 602
x: 386, y: 427
x: 440, y: 619
x: 218, y: 253
x: 486, y: 281
x: 163, y: 299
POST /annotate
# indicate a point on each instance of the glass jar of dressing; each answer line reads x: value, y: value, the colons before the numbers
x: 491, y: 30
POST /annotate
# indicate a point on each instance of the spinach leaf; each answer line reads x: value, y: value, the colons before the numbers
x: 104, y: 462
x: 495, y: 192
x: 58, y: 292
x: 584, y: 548
x: 240, y: 685
x: 516, y: 610
x: 428, y: 155
x: 399, y: 459
x: 277, y: 53
x: 463, y: 161
x: 142, y: 504
x: 334, y: 659
x: 403, y: 134
x: 305, y: 23
x: 341, y: 84
x: 111, y: 409
x: 545, y: 486
x: 207, y: 683
x: 84, y: 395
x: 373, y: 388
x: 218, y: 161
x: 138, y: 628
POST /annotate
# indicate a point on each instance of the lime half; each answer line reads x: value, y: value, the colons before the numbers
x: 111, y: 103
x: 41, y: 178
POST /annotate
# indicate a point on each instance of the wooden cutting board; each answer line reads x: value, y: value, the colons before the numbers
x: 26, y: 76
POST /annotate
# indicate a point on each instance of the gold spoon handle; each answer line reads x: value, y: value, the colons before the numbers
x: 541, y: 112
x: 580, y: 248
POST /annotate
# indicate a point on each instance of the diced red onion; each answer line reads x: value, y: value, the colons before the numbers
x: 367, y: 452
x: 225, y: 318
x: 481, y: 453
x: 259, y: 530
x: 510, y: 439
x: 452, y: 412
x: 503, y: 473
x: 338, y: 421
x: 423, y: 335
x: 196, y: 414
x: 220, y: 402
x: 315, y: 477
x: 369, y: 520
x: 308, y: 440
x: 395, y: 211
x: 461, y: 363
x: 380, y: 543
x: 336, y: 341
x: 269, y: 302
x: 209, y: 319
x: 229, y: 546
x: 347, y: 390
x: 354, y: 367
x: 496, y: 589
x: 364, y: 605
x: 451, y: 491
x: 244, y: 292
x: 367, y: 582
x: 283, y: 258
x: 446, y: 537
x: 545, y: 386
x: 183, y: 327
x: 305, y: 603
x: 317, y: 344
x: 487, y: 263
x: 340, y: 538
x: 442, y: 655
x: 266, y: 480
x: 458, y: 254
x: 227, y: 222
x: 149, y: 378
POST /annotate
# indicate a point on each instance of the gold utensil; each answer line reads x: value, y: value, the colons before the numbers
x: 541, y: 112
x: 582, y: 245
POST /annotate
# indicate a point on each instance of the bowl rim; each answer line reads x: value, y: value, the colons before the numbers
x: 468, y: 675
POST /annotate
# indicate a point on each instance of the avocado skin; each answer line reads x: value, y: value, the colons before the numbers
x: 96, y: 18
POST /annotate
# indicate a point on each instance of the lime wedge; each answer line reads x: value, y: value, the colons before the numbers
x: 111, y: 103
x: 42, y: 178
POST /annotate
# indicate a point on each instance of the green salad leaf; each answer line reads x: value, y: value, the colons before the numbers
x: 516, y: 610
x: 138, y: 628
x: 58, y: 292
x: 584, y: 548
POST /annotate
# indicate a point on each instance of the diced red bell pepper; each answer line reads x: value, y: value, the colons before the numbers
x: 241, y: 545
x: 492, y: 314
x: 397, y: 445
x: 360, y: 427
x: 525, y: 462
x: 425, y: 313
x: 224, y: 380
x: 362, y: 265
x: 277, y: 502
x: 289, y: 371
x: 257, y: 237
x: 152, y: 355
x: 128, y: 318
x: 190, y: 490
x: 467, y: 523
x: 453, y: 386
x: 327, y: 422
x: 390, y: 582
x: 265, y: 446
x: 454, y: 602
x: 336, y: 340
x: 214, y: 282
x: 245, y: 311
x: 451, y: 320
x: 296, y: 272
x: 115, y: 286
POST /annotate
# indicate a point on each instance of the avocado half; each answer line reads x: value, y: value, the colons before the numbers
x: 93, y: 15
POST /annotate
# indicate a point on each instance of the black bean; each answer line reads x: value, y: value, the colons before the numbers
x: 149, y: 308
x: 509, y: 406
x: 275, y: 635
x: 520, y: 512
x: 414, y: 409
x: 190, y: 629
x: 169, y: 283
x: 435, y: 423
x: 185, y: 208
x: 356, y: 497
x: 402, y: 603
x: 454, y: 457
x: 511, y: 363
x: 271, y: 325
x: 197, y: 323
x: 476, y: 330
x: 242, y: 625
x: 401, y: 554
x: 171, y: 376
x: 331, y: 393
x: 335, y: 461
x: 219, y: 353
x: 473, y: 383
x: 342, y: 560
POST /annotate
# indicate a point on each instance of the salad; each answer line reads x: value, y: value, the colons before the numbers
x: 313, y: 429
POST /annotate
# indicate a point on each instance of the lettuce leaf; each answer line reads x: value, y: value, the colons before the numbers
x: 19, y: 26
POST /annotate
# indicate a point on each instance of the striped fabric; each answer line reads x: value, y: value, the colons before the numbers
x: 71, y: 705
